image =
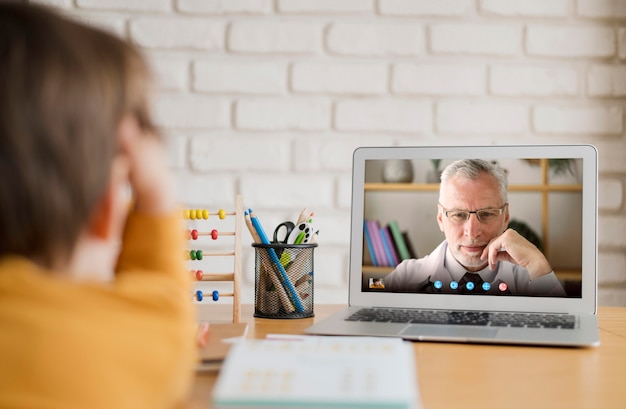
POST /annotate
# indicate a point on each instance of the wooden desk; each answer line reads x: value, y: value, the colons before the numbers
x: 484, y: 376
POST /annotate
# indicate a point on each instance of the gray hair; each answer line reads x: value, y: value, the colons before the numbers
x: 471, y: 169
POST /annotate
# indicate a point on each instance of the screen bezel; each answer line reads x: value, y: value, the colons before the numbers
x: 586, y: 304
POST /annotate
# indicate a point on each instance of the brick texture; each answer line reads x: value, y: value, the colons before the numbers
x: 477, y: 39
x: 269, y: 98
x: 564, y: 41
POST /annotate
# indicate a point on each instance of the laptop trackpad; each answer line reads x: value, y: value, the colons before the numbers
x: 424, y: 332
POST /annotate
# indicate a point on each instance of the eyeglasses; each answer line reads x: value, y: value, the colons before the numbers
x: 483, y: 215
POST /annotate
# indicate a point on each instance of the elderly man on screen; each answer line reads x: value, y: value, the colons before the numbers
x: 479, y: 255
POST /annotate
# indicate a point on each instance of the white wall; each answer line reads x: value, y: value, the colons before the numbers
x: 269, y: 98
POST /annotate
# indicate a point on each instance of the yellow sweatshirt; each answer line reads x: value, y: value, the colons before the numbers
x: 127, y: 344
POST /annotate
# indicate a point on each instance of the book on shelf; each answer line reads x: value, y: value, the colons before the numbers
x: 377, y: 244
x: 369, y: 257
x: 386, y: 245
x: 398, y: 238
x: 409, y: 245
x: 390, y: 247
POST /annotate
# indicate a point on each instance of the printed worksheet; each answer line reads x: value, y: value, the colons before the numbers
x: 316, y: 371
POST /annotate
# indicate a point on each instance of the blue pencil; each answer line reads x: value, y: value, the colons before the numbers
x: 291, y: 291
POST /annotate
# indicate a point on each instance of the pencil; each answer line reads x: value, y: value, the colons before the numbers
x: 265, y: 261
x: 282, y: 274
x: 303, y: 215
x: 253, y: 233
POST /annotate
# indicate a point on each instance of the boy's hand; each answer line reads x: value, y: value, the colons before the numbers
x: 151, y: 180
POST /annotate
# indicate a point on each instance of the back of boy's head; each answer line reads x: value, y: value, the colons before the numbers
x: 64, y: 87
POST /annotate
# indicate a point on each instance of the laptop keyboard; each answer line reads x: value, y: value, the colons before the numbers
x: 492, y: 319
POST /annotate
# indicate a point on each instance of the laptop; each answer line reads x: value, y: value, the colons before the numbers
x: 552, y: 204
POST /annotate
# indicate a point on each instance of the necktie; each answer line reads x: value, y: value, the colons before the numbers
x: 471, y: 283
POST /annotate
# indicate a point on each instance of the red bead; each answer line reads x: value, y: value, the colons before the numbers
x: 214, y: 234
x: 199, y: 275
x: 194, y: 234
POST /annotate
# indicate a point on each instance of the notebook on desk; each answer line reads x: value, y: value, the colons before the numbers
x: 408, y: 250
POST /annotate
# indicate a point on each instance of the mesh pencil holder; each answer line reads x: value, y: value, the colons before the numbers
x: 283, y: 278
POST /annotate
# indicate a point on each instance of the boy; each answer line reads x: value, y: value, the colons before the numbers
x: 95, y: 304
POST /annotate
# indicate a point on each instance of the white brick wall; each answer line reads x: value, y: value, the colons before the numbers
x: 352, y: 78
x: 438, y: 79
x: 375, y: 40
x: 584, y: 120
x: 270, y: 97
x: 534, y: 80
x: 194, y: 33
x: 464, y: 38
x: 527, y: 8
x: 570, y: 41
x: 478, y: 117
x: 249, y: 77
x: 271, y: 36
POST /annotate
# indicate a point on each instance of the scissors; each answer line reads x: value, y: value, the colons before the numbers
x: 282, y: 233
x: 300, y: 234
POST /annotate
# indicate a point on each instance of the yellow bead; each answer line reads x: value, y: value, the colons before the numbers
x: 222, y: 214
x: 186, y: 214
x: 205, y: 214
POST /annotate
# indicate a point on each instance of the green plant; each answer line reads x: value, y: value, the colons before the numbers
x: 557, y: 166
x: 561, y: 166
x: 525, y: 231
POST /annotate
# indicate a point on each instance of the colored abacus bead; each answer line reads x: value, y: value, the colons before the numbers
x: 216, y: 295
x: 198, y: 254
x: 194, y: 234
x: 186, y: 214
x: 199, y: 295
x: 205, y: 214
x: 222, y: 214
x: 199, y: 274
x: 214, y: 234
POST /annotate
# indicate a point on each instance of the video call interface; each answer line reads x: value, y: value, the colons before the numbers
x: 401, y: 230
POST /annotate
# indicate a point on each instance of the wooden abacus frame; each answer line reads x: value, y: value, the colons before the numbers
x: 203, y: 214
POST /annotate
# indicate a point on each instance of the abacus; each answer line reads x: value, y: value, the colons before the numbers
x: 197, y: 255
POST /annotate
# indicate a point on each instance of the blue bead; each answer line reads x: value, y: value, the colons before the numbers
x: 216, y: 295
x: 199, y: 295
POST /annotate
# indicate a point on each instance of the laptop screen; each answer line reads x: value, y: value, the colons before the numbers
x: 505, y: 221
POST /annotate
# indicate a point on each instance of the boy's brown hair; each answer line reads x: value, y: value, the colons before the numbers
x: 64, y: 88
